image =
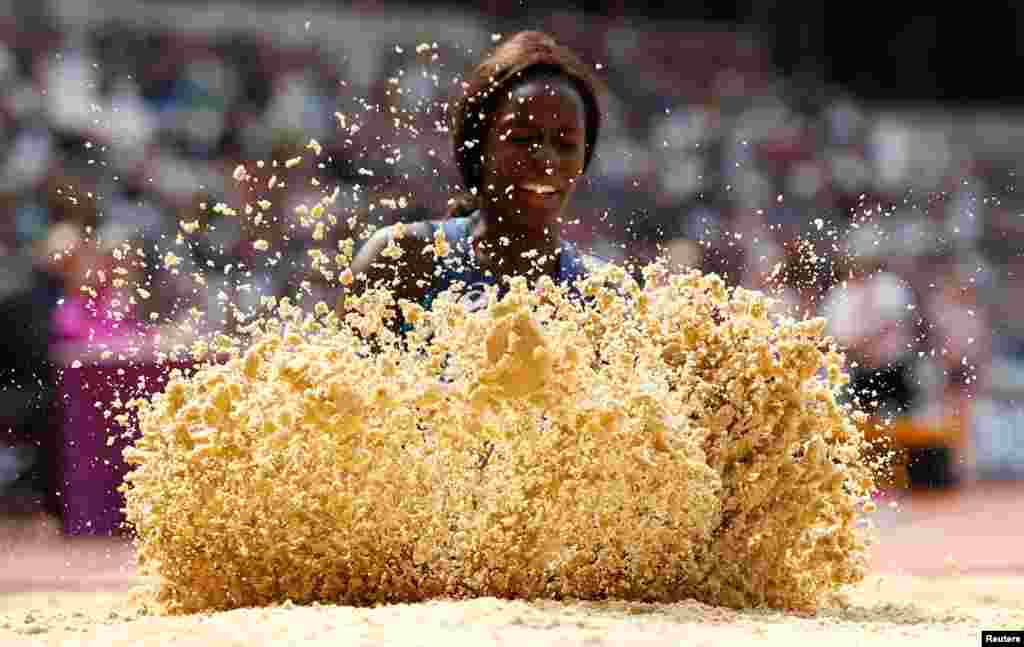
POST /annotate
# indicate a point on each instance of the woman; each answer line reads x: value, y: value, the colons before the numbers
x: 524, y: 133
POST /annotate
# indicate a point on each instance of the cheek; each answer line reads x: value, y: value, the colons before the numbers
x: 574, y: 158
x: 572, y: 169
x: 502, y: 163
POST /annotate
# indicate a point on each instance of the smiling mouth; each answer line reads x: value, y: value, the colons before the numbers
x: 539, y: 189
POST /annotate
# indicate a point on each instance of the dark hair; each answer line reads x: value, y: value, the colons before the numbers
x: 526, y: 52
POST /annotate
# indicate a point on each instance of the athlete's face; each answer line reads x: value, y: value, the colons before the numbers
x: 534, y: 153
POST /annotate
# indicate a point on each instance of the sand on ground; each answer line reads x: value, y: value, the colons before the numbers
x: 58, y: 591
x: 939, y: 610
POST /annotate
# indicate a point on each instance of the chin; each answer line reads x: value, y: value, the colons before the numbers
x: 535, y: 224
x: 531, y: 215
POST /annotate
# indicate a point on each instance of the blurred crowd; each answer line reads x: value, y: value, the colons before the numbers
x: 118, y: 120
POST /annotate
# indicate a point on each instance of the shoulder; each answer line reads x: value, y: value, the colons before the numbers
x: 401, y: 233
x: 577, y: 261
x: 408, y: 237
x: 592, y: 262
x: 375, y: 262
x: 421, y: 231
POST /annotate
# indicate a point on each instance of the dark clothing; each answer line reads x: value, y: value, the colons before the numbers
x: 461, y: 265
x: 893, y: 387
x: 27, y: 387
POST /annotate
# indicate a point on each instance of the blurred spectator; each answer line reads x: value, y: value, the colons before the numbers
x: 126, y: 125
x: 871, y: 313
x: 28, y: 296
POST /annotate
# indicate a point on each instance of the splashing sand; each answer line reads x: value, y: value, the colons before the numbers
x: 650, y: 444
x: 655, y: 445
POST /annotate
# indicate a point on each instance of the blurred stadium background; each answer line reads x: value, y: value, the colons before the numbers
x: 858, y: 164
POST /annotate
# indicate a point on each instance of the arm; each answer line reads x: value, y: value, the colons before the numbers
x: 408, y: 276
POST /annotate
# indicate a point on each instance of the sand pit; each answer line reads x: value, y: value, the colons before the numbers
x: 942, y: 610
x: 650, y: 444
x: 80, y: 597
x: 939, y: 610
x: 616, y: 461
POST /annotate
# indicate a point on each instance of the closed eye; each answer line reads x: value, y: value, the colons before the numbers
x: 519, y: 136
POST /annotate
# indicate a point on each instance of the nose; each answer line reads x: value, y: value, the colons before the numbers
x: 546, y: 152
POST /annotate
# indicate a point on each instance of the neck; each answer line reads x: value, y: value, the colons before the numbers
x: 492, y: 226
x: 502, y: 247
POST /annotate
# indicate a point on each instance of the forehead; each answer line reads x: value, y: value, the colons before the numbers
x: 548, y: 98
